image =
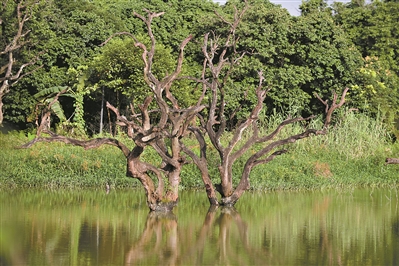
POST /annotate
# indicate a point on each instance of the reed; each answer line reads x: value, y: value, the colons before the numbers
x: 352, y: 154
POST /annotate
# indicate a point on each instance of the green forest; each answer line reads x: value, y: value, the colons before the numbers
x: 82, y: 62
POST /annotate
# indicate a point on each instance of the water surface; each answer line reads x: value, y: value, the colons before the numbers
x: 359, y: 227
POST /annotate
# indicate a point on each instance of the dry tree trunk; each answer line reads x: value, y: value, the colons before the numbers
x: 220, y: 60
x: 272, y: 150
x: 162, y: 135
x: 392, y: 161
x: 136, y: 168
x: 10, y: 73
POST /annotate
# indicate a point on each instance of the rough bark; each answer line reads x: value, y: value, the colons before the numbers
x: 392, y: 161
x: 163, y: 134
x: 220, y: 60
x: 201, y: 162
x: 10, y: 72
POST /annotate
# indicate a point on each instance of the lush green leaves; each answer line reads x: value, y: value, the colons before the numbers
x: 298, y: 55
x: 373, y: 27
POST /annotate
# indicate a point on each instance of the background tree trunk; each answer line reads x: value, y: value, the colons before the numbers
x: 10, y: 72
x: 392, y: 161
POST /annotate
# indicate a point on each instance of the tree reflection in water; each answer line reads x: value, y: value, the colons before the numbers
x: 228, y: 254
x: 95, y: 228
x: 164, y: 227
x: 166, y: 247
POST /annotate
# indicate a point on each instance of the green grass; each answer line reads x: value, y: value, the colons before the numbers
x: 59, y: 165
x: 351, y: 155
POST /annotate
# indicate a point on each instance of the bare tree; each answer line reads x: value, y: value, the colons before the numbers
x: 165, y: 132
x: 11, y: 71
x: 220, y: 60
x: 161, y: 132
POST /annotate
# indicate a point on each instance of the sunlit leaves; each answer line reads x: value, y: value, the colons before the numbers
x: 373, y: 27
x: 298, y: 55
x: 376, y: 91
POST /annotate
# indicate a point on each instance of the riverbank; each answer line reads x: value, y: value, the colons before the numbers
x: 351, y: 155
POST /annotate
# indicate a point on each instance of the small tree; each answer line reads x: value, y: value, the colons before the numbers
x: 221, y: 58
x: 11, y: 71
x: 161, y: 132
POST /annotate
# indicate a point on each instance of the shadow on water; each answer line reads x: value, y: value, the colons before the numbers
x: 95, y: 228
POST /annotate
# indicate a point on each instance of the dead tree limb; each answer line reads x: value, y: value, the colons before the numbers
x: 161, y: 132
x: 214, y: 123
x: 392, y: 161
x: 11, y: 72
x: 271, y: 150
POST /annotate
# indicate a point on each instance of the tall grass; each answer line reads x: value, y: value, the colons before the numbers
x: 352, y: 154
x: 354, y: 135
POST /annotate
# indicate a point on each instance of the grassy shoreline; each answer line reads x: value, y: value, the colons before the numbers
x: 351, y: 155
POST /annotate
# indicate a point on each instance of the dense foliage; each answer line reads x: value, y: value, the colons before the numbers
x: 373, y: 28
x: 326, y: 48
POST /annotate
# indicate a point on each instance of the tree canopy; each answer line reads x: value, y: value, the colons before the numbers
x: 372, y: 27
x: 326, y: 48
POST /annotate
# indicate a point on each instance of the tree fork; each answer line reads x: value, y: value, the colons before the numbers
x: 9, y: 73
x: 214, y: 124
x: 162, y: 134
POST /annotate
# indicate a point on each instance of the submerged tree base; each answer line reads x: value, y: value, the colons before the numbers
x: 163, y: 207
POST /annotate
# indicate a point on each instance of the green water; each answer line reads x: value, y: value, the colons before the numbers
x: 359, y: 227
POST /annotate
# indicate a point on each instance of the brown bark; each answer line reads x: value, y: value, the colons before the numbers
x: 266, y: 154
x: 162, y: 135
x: 173, y: 122
x: 201, y: 163
x: 225, y: 56
x: 392, y: 161
x: 136, y: 168
x: 1, y: 107
x: 10, y: 72
x: 214, y: 124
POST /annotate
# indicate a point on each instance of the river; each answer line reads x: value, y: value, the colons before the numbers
x: 86, y: 227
